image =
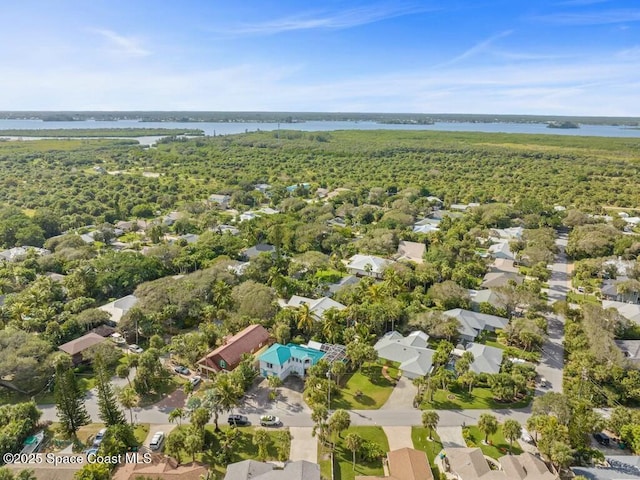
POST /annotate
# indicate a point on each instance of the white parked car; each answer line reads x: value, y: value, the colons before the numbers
x: 135, y: 348
x: 269, y: 421
x: 156, y: 441
x: 195, y: 380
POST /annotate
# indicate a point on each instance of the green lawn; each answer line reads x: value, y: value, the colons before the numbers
x: 582, y: 298
x: 498, y: 446
x: 459, y: 399
x: 419, y: 436
x: 244, y: 450
x: 374, y: 387
x: 343, y: 458
x: 141, y: 431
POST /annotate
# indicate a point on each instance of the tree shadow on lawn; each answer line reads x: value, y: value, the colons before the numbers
x: 347, y: 401
x: 374, y: 373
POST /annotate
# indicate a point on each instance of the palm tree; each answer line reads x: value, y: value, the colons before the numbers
x: 223, y: 395
x: 535, y: 423
x: 430, y: 419
x: 488, y: 424
x: 304, y: 317
x: 261, y: 440
x: 331, y: 320
x: 176, y: 414
x: 511, y: 430
x: 128, y: 398
x: 353, y: 442
x: 561, y: 454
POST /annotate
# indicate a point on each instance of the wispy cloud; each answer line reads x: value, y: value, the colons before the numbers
x: 122, y: 45
x: 603, y: 17
x: 331, y: 21
x: 580, y: 3
x: 632, y: 53
x: 477, y: 48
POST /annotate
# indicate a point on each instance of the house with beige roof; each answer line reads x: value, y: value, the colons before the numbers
x: 405, y: 464
x: 471, y: 464
x: 411, y: 251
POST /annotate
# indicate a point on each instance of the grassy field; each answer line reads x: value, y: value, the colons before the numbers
x: 497, y: 447
x: 343, y: 458
x: 459, y: 399
x: 374, y: 386
x: 419, y: 436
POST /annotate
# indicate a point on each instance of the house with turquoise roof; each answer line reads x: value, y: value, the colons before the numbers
x: 283, y: 360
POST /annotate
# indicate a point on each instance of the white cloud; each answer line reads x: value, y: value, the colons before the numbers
x: 344, y: 19
x: 596, y: 85
x: 120, y: 44
x: 602, y: 17
x: 478, y: 48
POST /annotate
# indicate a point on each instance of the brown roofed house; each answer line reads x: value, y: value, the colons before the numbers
x: 227, y: 357
x: 79, y: 345
x: 160, y: 468
x: 405, y: 464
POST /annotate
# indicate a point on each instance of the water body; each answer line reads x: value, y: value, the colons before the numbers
x: 212, y: 128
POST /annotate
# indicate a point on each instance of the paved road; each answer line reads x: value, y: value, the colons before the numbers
x: 552, y: 361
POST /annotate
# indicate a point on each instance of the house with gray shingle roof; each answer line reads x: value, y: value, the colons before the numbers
x: 486, y: 359
x: 252, y: 470
x: 368, y: 265
x: 501, y: 250
x: 412, y: 352
x: 474, y: 322
x: 316, y: 307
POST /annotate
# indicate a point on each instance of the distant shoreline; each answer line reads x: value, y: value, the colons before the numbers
x: 302, y: 117
x: 101, y: 132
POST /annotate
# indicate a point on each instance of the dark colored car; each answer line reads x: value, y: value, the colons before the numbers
x: 238, y: 420
x: 602, y: 439
x: 182, y: 370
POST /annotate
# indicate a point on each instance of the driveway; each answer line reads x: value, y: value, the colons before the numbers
x: 398, y: 437
x: 402, y: 396
x: 451, y: 437
x: 303, y: 445
x: 167, y: 428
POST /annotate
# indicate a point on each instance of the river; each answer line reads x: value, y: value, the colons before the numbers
x: 211, y: 128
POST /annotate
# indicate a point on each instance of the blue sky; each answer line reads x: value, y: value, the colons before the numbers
x: 564, y: 57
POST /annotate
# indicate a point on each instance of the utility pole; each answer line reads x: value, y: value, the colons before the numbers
x: 329, y: 391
